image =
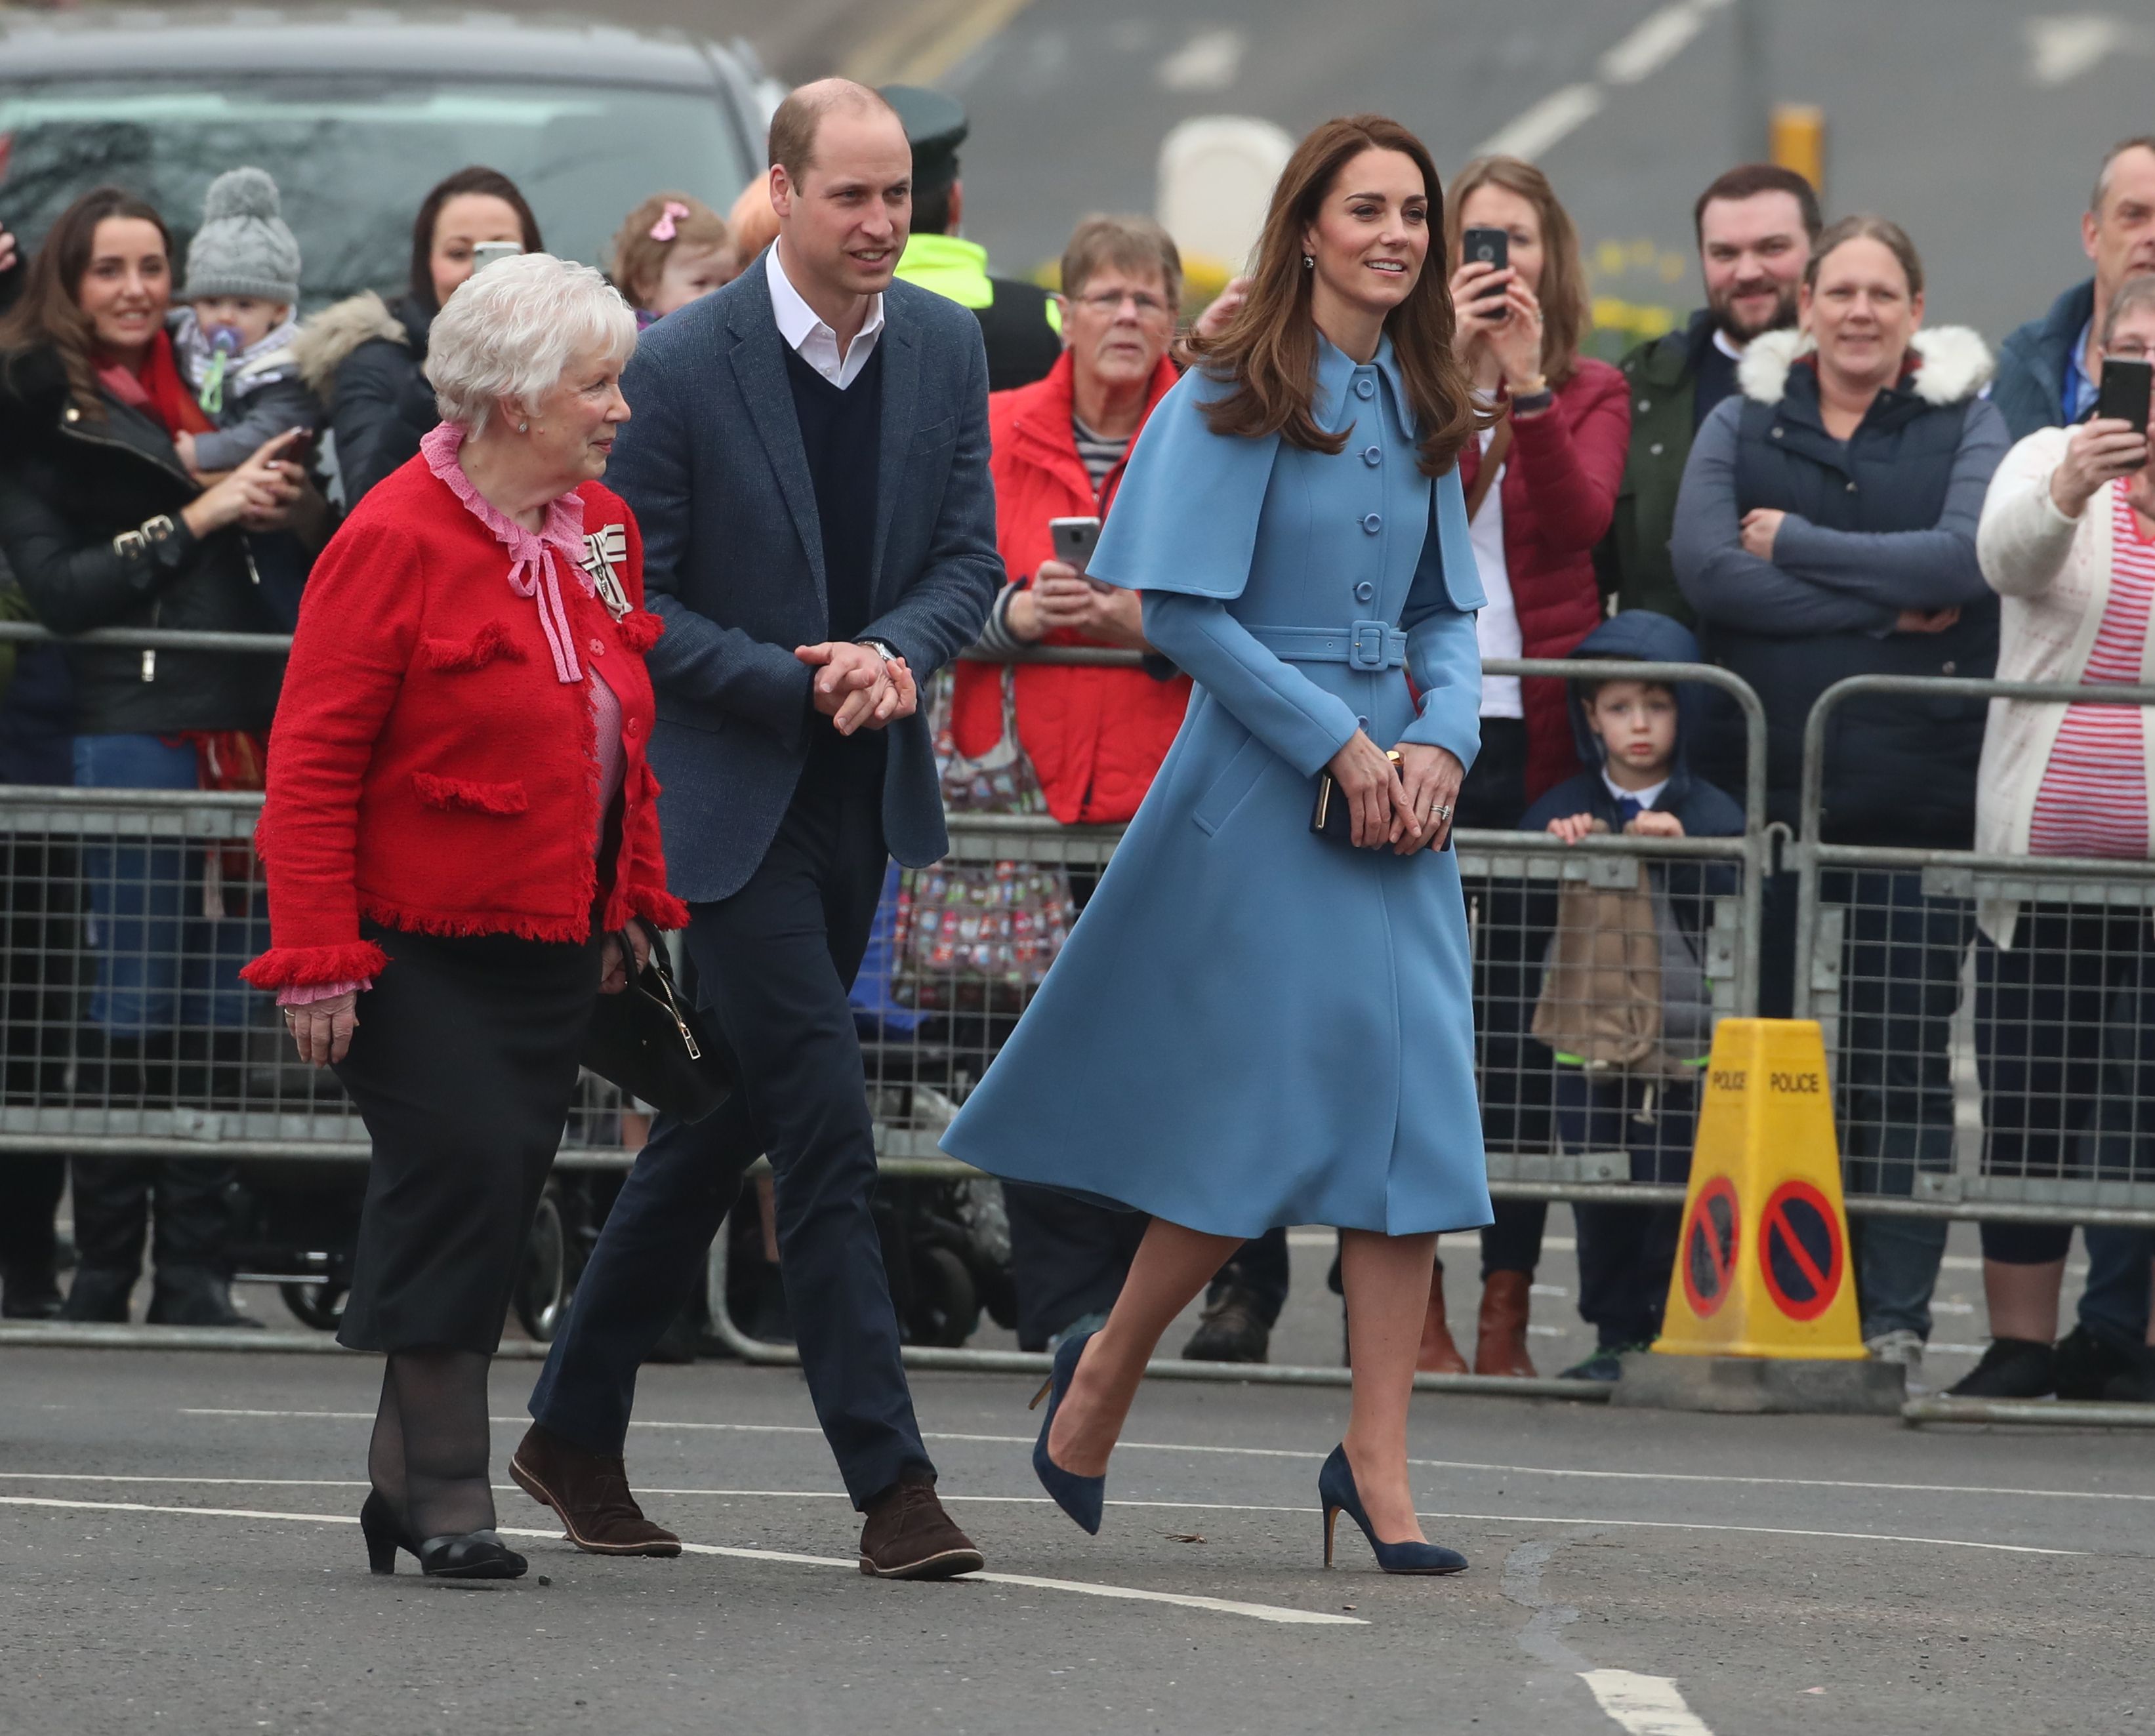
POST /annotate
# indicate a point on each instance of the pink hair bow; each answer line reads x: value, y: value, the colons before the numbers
x: 663, y: 229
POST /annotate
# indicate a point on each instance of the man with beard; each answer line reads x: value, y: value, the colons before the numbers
x: 1755, y: 226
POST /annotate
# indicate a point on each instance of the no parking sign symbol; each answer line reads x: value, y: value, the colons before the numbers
x: 1708, y: 1262
x: 1801, y: 1254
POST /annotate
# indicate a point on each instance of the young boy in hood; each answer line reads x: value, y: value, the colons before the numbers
x: 1627, y: 1076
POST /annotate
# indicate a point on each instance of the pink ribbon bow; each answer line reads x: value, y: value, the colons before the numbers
x: 663, y: 229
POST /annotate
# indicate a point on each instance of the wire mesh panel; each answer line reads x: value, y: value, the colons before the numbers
x: 1600, y: 970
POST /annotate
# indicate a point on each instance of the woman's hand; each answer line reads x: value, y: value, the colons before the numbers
x: 613, y: 966
x: 2100, y: 451
x: 262, y: 488
x: 1428, y: 789
x: 1508, y: 326
x: 1761, y: 525
x: 1365, y: 778
x: 321, y: 1030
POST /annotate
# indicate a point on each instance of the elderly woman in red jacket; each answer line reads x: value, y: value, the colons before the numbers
x: 461, y: 835
x: 1557, y: 452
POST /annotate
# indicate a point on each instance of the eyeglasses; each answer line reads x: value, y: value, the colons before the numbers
x: 1110, y: 302
x: 2128, y: 351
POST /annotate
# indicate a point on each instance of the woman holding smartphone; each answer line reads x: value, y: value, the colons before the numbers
x: 1254, y: 1025
x: 1541, y: 488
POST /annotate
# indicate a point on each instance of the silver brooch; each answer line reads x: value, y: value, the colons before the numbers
x: 603, y: 548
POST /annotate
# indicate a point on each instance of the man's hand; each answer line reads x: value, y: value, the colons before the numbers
x: 2099, y: 451
x: 1761, y: 525
x: 1927, y: 620
x: 1573, y: 827
x: 856, y: 689
x: 1428, y: 790
x: 1061, y: 597
x: 321, y: 1030
x: 1654, y: 823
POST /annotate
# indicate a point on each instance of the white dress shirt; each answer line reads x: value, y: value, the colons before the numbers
x: 812, y: 339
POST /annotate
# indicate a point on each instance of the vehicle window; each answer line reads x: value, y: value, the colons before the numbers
x: 353, y: 156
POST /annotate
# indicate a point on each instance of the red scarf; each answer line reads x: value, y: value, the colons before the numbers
x: 155, y: 389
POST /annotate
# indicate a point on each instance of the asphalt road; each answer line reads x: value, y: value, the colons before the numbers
x: 176, y: 1552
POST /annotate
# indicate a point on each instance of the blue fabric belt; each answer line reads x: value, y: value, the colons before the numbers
x: 1370, y: 645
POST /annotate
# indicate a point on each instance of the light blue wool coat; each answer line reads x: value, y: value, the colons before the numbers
x: 1253, y: 1026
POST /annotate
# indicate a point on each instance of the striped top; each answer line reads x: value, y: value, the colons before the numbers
x: 2093, y: 801
x: 1099, y: 454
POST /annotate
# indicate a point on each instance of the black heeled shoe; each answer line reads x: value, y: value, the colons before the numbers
x: 378, y: 1524
x: 466, y: 1556
x: 1083, y: 1497
x: 470, y: 1556
x: 1335, y: 1488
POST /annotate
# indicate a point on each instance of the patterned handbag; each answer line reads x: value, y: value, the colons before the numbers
x: 980, y: 936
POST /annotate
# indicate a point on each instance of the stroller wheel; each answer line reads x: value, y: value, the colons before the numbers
x: 946, y: 1306
x: 542, y: 1287
x: 319, y: 1305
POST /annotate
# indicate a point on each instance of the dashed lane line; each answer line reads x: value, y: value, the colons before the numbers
x: 1315, y: 1458
x: 1170, y: 1506
x: 1644, y: 1705
x: 1279, y: 1614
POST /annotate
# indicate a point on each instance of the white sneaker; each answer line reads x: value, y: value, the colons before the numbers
x: 1906, y: 1348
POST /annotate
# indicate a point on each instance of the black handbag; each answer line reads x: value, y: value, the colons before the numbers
x: 649, y: 1041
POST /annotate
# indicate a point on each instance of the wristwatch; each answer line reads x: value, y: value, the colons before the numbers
x: 883, y: 648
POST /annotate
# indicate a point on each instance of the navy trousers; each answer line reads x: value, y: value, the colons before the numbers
x: 1626, y: 1252
x: 773, y: 962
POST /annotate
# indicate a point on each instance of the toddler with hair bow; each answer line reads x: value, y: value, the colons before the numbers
x: 669, y: 251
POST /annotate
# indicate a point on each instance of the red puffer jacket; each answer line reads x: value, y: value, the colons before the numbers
x: 1095, y: 736
x: 1559, y: 493
x: 428, y: 769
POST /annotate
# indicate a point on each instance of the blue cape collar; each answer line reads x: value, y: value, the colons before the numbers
x: 1336, y: 407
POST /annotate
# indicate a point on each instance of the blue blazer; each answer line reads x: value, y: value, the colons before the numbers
x: 712, y: 463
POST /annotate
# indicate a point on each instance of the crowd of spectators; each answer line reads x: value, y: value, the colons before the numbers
x: 1802, y: 482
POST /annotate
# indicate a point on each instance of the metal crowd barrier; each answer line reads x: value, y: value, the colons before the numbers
x: 1972, y: 1081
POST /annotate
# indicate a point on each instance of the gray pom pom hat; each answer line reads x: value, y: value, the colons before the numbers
x: 244, y: 246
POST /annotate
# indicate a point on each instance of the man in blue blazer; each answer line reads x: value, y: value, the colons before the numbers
x: 808, y: 462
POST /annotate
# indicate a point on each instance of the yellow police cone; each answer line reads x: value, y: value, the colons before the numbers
x: 1763, y: 1265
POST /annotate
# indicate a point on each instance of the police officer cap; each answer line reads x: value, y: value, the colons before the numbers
x: 935, y: 126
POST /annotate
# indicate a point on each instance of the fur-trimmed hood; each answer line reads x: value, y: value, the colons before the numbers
x: 1953, y: 365
x: 329, y: 337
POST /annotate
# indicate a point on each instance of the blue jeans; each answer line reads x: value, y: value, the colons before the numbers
x: 161, y: 963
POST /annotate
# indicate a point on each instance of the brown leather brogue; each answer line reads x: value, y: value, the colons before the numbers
x: 908, y: 1536
x: 589, y: 1492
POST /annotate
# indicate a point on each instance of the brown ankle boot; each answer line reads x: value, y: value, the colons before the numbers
x: 589, y: 1492
x: 1438, y: 1354
x: 1500, y: 1348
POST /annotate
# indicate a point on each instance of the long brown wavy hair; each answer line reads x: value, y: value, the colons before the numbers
x: 1566, y: 310
x: 1269, y: 352
x: 49, y: 316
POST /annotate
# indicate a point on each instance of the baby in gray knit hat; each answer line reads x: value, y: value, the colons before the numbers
x: 232, y: 332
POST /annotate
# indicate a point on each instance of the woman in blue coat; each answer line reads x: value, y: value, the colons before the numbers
x: 1253, y: 1025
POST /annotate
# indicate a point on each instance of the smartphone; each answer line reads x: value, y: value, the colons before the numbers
x: 2123, y: 393
x: 492, y: 253
x: 300, y: 451
x: 1492, y: 247
x: 1075, y: 539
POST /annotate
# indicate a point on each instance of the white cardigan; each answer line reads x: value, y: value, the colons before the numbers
x: 2053, y: 574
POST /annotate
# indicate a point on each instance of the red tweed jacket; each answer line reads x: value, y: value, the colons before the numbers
x: 428, y: 768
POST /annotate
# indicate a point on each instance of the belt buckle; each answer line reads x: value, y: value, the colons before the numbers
x: 1368, y: 643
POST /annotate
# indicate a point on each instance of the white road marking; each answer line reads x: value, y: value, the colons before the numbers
x: 1280, y: 1614
x: 1542, y: 126
x: 1659, y: 39
x: 1171, y: 1506
x: 1644, y: 1705
x: 1210, y: 60
x: 1316, y: 1457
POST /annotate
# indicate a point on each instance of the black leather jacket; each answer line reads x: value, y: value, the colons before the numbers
x: 73, y: 485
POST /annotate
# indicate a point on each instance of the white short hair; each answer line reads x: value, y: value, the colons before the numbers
x: 511, y: 330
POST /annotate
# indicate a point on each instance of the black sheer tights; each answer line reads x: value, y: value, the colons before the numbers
x: 428, y: 1456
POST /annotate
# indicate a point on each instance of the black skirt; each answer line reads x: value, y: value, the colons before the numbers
x: 464, y: 1068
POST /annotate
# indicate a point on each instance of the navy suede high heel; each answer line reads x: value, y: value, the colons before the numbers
x: 1335, y: 1488
x: 1080, y: 1497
